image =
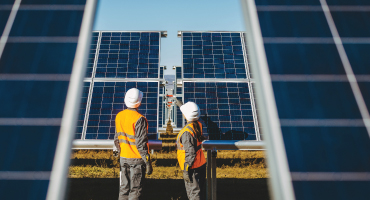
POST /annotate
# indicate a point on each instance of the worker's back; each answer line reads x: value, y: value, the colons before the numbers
x: 126, y: 121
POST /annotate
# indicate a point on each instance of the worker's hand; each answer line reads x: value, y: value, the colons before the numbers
x: 186, y: 174
x: 177, y: 102
x: 149, y: 168
x: 115, y: 153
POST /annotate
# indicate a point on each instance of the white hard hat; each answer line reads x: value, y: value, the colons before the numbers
x: 133, y: 98
x: 191, y: 111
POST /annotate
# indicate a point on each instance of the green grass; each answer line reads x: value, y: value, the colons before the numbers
x: 234, y: 164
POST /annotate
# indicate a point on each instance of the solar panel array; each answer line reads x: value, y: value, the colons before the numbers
x: 128, y: 55
x: 227, y: 110
x: 108, y: 100
x: 92, y: 54
x: 82, y: 111
x: 37, y: 50
x: 123, y: 60
x: 317, y: 54
x: 213, y: 55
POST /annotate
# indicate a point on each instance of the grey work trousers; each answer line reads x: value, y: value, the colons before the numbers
x: 131, y: 185
x: 196, y: 190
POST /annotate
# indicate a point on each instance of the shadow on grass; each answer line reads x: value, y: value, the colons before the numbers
x: 163, y: 189
x: 169, y: 162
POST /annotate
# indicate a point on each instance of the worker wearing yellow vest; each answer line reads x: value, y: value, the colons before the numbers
x: 131, y: 140
x: 189, y: 152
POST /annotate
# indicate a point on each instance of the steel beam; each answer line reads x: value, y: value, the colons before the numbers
x: 233, y: 145
x: 209, y: 180
x: 214, y: 177
x: 108, y: 144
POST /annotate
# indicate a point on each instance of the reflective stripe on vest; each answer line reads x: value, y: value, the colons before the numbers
x: 125, y: 127
x: 199, y: 159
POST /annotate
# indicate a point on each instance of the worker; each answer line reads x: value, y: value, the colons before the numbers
x: 189, y: 152
x: 131, y: 140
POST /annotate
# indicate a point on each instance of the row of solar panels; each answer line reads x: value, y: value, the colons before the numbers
x: 226, y: 108
x: 317, y: 103
x: 39, y: 42
x: 228, y: 112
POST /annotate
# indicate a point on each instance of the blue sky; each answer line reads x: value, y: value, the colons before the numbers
x: 170, y: 16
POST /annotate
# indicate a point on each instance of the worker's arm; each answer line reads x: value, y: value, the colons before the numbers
x: 178, y: 102
x: 189, y: 143
x: 116, y: 140
x: 141, y: 138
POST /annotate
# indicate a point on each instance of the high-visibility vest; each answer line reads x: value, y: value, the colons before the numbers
x: 199, y: 158
x: 125, y: 127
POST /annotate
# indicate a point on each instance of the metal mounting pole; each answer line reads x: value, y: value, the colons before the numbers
x: 214, y: 178
x: 209, y: 181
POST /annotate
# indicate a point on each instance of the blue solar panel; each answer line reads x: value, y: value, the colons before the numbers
x: 108, y: 100
x: 82, y: 112
x: 41, y: 63
x: 91, y: 61
x: 161, y: 112
x: 128, y: 55
x: 226, y: 110
x: 321, y: 122
x: 213, y: 55
x: 35, y: 68
x: 4, y: 14
x: 178, y: 72
x: 179, y: 119
x: 161, y: 72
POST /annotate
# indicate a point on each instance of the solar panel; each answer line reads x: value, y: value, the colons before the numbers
x: 37, y: 50
x: 225, y: 107
x: 82, y: 112
x: 161, y: 112
x: 161, y: 72
x: 93, y: 48
x: 318, y: 62
x: 133, y: 56
x: 108, y: 100
x: 178, y: 72
x: 128, y: 55
x: 179, y: 118
x: 213, y: 55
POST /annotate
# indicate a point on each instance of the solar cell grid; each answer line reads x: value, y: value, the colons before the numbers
x: 38, y: 55
x: 161, y: 72
x: 213, y: 55
x: 4, y: 14
x: 319, y: 109
x: 128, y: 55
x: 82, y: 112
x: 226, y: 110
x: 178, y: 72
x: 160, y: 112
x: 179, y: 118
x: 33, y: 23
x: 91, y: 61
x: 108, y: 100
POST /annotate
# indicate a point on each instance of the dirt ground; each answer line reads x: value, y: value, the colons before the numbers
x: 165, y: 189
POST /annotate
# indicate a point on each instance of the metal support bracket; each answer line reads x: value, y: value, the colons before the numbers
x: 211, y: 175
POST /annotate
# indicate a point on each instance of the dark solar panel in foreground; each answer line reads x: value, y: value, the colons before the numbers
x: 108, y: 100
x: 128, y: 55
x: 213, y: 55
x: 326, y: 141
x: 32, y: 104
x: 226, y: 111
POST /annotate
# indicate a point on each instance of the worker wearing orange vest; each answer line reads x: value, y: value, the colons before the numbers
x: 189, y: 152
x: 132, y: 142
